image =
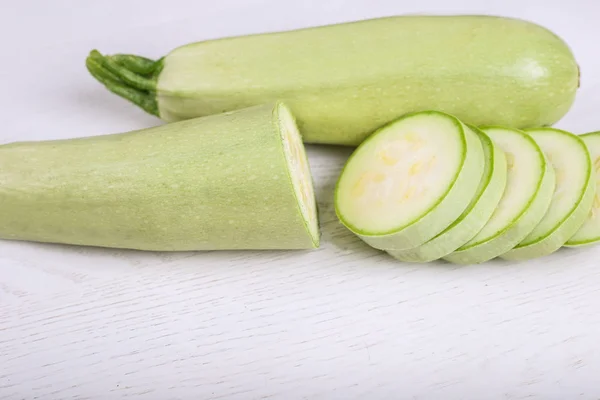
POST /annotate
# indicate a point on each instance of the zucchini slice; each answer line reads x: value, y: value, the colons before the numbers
x: 589, y: 233
x: 573, y: 195
x: 529, y: 188
x: 410, y: 180
x: 479, y: 211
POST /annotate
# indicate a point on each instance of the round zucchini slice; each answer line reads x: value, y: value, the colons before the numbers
x: 573, y: 195
x: 409, y: 180
x: 472, y: 220
x: 589, y: 233
x: 526, y: 199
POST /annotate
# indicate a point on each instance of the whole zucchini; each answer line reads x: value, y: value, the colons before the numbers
x: 345, y: 80
x: 238, y: 180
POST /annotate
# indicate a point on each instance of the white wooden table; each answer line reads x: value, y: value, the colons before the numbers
x: 342, y: 322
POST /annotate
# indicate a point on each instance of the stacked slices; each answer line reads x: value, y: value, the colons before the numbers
x: 428, y: 186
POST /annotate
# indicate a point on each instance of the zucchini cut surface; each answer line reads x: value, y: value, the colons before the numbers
x: 529, y: 188
x: 410, y: 180
x: 476, y: 215
x: 572, y: 198
x: 589, y: 233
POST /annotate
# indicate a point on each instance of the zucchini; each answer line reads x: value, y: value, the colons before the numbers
x: 238, y: 180
x: 479, y: 211
x: 526, y: 199
x: 410, y: 180
x: 572, y: 199
x: 344, y: 81
x: 589, y: 233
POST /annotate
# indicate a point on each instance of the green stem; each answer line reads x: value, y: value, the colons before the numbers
x: 138, y: 64
x: 131, y: 77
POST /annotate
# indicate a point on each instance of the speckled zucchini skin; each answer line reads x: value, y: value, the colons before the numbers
x: 220, y: 182
x: 344, y: 81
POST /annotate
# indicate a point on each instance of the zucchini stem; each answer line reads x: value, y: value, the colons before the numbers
x: 131, y: 77
x: 138, y: 64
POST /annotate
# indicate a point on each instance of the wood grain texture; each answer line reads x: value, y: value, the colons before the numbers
x: 342, y: 322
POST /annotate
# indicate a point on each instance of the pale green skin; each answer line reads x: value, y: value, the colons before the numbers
x: 214, y: 183
x: 589, y: 233
x: 517, y: 229
x: 546, y: 240
x: 446, y: 209
x: 474, y: 217
x: 346, y: 80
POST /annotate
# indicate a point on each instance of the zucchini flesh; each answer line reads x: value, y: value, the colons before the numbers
x: 526, y: 199
x: 344, y: 81
x: 589, y: 233
x: 410, y: 180
x: 238, y: 180
x: 479, y: 211
x: 572, y: 199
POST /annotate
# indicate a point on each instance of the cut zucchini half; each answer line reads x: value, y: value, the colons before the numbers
x: 233, y: 181
x: 589, y: 233
x: 573, y: 195
x: 529, y: 187
x: 474, y: 217
x: 409, y: 180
